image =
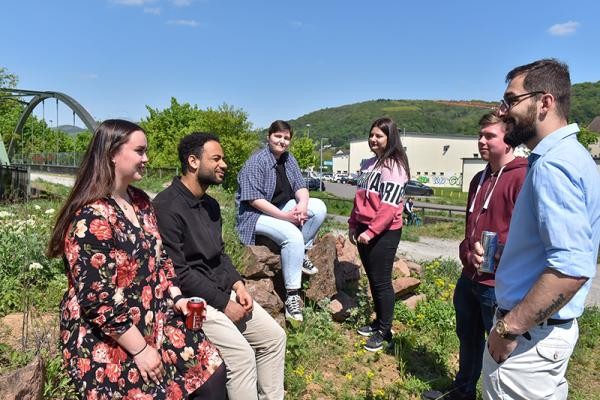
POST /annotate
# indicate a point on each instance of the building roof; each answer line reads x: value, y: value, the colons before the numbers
x: 594, y: 126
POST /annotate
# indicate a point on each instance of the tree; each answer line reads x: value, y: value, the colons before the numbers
x: 165, y: 128
x: 81, y: 141
x: 304, y: 150
x: 587, y: 137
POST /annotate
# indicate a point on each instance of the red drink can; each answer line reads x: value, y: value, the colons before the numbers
x: 195, y: 317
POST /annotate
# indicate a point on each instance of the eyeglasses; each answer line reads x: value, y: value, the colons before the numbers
x: 508, y: 102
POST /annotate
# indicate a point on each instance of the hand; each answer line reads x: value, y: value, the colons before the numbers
x: 352, y: 235
x: 150, y: 365
x: 234, y: 311
x: 476, y: 256
x: 301, y: 213
x: 291, y: 216
x: 500, y: 348
x: 244, y: 298
x: 182, y: 306
x: 363, y: 238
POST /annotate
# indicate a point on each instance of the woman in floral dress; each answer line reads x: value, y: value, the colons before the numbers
x: 122, y: 326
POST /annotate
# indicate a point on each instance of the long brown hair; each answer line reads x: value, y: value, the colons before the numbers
x: 95, y: 178
x: 394, y: 150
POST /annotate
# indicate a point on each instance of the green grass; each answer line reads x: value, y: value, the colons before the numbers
x: 335, y: 205
x: 155, y: 181
x: 324, y: 360
x: 440, y: 230
x: 448, y: 196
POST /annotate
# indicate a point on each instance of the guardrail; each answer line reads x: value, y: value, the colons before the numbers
x: 439, y: 207
x: 70, y: 170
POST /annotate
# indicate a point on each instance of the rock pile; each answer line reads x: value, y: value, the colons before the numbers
x: 339, y: 272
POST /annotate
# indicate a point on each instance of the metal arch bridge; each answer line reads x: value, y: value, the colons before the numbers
x: 36, y: 98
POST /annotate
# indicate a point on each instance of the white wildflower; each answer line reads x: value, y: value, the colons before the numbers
x: 4, y: 214
x: 37, y: 207
x: 35, y: 266
x: 49, y: 211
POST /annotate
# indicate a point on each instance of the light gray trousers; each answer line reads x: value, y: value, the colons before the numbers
x: 253, y: 350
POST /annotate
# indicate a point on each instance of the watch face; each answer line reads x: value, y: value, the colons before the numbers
x: 501, y: 327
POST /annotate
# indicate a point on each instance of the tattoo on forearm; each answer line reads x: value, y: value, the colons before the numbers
x: 556, y: 304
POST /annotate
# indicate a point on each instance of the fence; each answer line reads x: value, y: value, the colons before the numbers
x: 67, y: 159
x: 14, y: 183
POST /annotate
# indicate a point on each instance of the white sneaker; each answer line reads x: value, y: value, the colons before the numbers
x: 293, y: 308
x: 308, y: 267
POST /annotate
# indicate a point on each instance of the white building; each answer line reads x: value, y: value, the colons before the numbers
x: 436, y: 160
x: 340, y: 162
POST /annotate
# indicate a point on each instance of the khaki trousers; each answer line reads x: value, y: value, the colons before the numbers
x: 536, y: 369
x: 253, y: 350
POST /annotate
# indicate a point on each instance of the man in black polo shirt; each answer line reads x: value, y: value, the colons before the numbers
x: 251, y: 342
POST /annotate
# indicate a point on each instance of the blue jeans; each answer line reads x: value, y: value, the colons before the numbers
x: 293, y: 240
x: 474, y: 304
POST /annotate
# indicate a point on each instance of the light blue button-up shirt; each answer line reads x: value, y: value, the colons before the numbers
x: 555, y: 222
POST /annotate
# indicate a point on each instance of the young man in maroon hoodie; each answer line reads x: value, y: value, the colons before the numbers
x: 492, y: 196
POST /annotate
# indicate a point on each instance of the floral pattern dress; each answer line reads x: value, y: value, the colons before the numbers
x: 119, y: 276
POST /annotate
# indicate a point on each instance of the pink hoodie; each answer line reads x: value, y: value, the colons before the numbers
x: 379, y: 197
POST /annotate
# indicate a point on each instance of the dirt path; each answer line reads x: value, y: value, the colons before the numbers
x: 429, y: 248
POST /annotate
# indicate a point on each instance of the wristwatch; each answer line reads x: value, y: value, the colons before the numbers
x: 501, y: 329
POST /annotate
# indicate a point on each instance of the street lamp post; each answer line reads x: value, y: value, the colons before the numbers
x: 308, y: 132
x: 321, y: 164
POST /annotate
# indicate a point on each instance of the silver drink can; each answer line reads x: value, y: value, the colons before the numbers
x: 489, y: 242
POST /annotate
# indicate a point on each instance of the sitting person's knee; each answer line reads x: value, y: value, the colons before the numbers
x: 317, y: 206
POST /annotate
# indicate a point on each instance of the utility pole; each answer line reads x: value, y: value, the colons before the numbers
x: 321, y: 164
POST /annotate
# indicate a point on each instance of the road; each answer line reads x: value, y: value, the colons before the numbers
x: 346, y: 191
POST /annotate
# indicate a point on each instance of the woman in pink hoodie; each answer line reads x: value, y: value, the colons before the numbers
x: 375, y: 224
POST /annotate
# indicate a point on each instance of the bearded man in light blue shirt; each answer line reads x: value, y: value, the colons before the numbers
x: 549, y: 260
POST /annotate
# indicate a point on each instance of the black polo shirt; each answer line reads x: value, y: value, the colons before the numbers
x: 192, y: 236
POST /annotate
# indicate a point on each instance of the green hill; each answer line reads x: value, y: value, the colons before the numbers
x: 345, y: 123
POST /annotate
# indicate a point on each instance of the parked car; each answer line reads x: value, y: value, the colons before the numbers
x: 340, y: 178
x: 416, y: 188
x: 327, y: 177
x: 312, y: 183
x: 352, y: 179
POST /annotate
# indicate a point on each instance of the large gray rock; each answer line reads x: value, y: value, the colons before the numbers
x: 400, y: 269
x: 26, y: 383
x: 323, y: 255
x: 404, y: 286
x: 340, y: 306
x: 347, y: 267
x: 259, y: 262
x: 415, y: 268
x: 263, y: 293
x: 413, y: 300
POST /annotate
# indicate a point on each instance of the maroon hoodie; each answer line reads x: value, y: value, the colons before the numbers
x: 499, y: 190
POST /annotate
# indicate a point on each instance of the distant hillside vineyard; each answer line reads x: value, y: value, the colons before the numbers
x: 345, y: 123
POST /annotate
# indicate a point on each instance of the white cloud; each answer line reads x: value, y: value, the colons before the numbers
x: 297, y: 24
x: 152, y: 10
x: 564, y: 29
x: 184, y: 22
x: 91, y: 76
x: 182, y: 3
x: 133, y: 2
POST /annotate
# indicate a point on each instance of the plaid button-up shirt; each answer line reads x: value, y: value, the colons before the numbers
x: 257, y: 180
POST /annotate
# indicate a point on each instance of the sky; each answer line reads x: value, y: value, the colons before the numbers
x: 283, y: 59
